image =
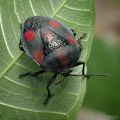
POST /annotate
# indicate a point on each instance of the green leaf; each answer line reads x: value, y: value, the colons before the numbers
x: 22, y: 99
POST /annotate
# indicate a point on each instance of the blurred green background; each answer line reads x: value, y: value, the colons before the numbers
x: 102, y: 93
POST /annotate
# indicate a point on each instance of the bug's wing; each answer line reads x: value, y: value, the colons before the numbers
x: 33, y: 48
x: 62, y: 31
x: 59, y: 28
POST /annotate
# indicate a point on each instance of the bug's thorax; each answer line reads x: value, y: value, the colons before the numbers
x: 51, y: 41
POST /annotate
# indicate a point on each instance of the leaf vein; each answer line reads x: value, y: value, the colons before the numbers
x: 7, y: 91
x: 57, y: 11
x: 7, y: 78
x: 31, y: 110
x: 24, y: 67
x: 43, y: 7
x: 77, y: 9
x: 52, y: 6
x: 5, y: 38
x: 15, y: 10
x: 82, y: 25
x: 32, y: 7
x: 13, y: 28
x: 10, y: 65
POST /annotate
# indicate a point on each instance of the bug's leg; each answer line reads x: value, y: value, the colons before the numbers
x: 65, y: 73
x: 74, y: 32
x: 32, y: 73
x: 60, y: 81
x: 86, y: 75
x: 83, y: 36
x: 47, y: 87
x: 83, y: 70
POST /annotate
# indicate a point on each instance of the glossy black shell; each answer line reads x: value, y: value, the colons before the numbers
x: 58, y: 53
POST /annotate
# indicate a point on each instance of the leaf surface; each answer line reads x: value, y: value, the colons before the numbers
x: 22, y: 99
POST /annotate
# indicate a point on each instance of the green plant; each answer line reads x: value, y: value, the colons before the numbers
x: 104, y: 90
x: 23, y: 98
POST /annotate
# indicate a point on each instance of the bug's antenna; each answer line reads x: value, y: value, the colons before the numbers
x: 91, y: 75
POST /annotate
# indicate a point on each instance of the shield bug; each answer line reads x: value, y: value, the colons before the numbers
x: 53, y: 46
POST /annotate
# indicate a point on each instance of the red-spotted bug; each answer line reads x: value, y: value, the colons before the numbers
x: 53, y: 46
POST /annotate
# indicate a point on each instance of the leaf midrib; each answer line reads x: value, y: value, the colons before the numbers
x: 10, y: 65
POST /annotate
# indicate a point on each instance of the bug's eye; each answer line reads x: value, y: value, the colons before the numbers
x: 29, y: 35
x: 20, y: 46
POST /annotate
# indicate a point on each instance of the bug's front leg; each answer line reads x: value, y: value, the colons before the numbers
x: 83, y: 70
x: 87, y: 75
x: 83, y: 67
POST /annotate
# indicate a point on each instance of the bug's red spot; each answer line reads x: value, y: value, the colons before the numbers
x: 63, y: 60
x: 62, y: 57
x: 53, y: 24
x: 39, y: 56
x: 29, y: 36
x: 71, y: 40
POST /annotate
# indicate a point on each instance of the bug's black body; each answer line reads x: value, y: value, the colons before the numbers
x: 52, y: 45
